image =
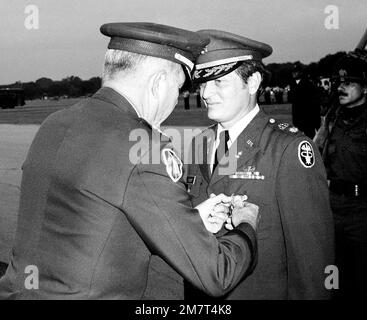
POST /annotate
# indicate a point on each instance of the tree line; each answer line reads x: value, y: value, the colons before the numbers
x: 280, y: 74
x: 68, y: 87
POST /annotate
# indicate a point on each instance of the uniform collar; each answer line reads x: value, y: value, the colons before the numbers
x: 361, y: 118
x: 120, y: 101
x: 239, y: 126
x: 247, y: 144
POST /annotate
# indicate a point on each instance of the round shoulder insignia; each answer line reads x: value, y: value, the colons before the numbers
x: 305, y: 154
x: 173, y: 164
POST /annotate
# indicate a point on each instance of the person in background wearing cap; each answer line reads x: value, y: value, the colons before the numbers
x: 345, y: 154
x: 273, y: 164
x: 93, y: 209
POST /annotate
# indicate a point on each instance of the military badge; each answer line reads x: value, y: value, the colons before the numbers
x: 248, y: 174
x: 293, y: 129
x: 283, y: 126
x: 173, y: 164
x: 238, y: 155
x: 191, y: 179
x: 342, y: 73
x: 305, y: 154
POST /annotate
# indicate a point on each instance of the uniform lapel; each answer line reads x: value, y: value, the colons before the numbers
x: 247, y: 145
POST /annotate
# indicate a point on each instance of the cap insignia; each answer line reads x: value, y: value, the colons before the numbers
x: 342, y: 73
x: 204, y: 73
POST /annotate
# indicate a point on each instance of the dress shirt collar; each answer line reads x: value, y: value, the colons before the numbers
x: 239, y: 126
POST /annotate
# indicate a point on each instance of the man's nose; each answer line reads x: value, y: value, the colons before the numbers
x: 207, y: 90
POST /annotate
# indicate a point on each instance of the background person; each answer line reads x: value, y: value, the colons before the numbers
x: 343, y: 139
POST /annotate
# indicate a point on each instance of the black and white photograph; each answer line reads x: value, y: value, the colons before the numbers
x: 183, y: 154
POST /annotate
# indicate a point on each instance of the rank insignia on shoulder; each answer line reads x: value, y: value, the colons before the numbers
x: 283, y: 126
x: 173, y: 164
x: 293, y: 129
x: 306, y: 154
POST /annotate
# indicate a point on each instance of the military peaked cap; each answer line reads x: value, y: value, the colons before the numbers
x: 161, y: 41
x: 352, y: 67
x: 225, y: 53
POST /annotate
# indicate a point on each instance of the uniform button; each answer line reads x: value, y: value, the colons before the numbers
x: 272, y: 120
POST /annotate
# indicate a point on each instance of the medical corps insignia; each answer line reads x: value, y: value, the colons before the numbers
x: 173, y: 164
x: 305, y: 154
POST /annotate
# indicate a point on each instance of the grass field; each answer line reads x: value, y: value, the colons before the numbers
x: 35, y: 111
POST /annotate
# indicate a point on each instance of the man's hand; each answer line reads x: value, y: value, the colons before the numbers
x: 249, y: 213
x: 214, y: 211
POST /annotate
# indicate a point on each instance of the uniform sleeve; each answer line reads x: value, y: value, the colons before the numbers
x: 160, y: 211
x: 306, y: 217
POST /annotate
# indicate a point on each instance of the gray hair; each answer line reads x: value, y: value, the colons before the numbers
x: 117, y: 61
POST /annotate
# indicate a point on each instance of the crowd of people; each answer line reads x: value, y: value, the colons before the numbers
x: 256, y: 212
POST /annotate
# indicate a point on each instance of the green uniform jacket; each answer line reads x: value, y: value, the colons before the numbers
x: 296, y: 233
x: 92, y: 214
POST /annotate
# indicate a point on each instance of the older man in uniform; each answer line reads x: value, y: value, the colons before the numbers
x: 345, y: 156
x: 272, y: 163
x: 101, y: 190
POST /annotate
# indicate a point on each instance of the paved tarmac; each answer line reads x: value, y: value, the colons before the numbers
x: 14, y: 143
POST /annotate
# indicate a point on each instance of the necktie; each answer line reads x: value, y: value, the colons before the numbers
x: 222, y: 147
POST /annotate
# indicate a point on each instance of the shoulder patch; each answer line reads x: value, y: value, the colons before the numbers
x: 173, y: 164
x: 306, y: 154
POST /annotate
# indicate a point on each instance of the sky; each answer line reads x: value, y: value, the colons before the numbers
x: 65, y: 39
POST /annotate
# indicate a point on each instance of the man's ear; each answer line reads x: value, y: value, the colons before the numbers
x: 253, y: 82
x: 156, y: 81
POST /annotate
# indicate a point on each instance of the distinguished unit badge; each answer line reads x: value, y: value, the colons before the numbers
x: 173, y: 164
x: 305, y: 154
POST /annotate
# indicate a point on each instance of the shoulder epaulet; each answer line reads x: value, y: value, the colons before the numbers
x: 284, y: 127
